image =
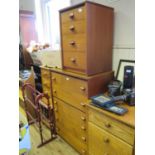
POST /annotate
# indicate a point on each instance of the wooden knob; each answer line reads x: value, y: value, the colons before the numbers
x: 56, y: 110
x: 53, y: 78
x: 54, y: 91
x: 83, y: 88
x: 83, y: 128
x: 83, y: 138
x: 83, y: 118
x: 55, y: 102
x: 106, y: 153
x: 72, y: 43
x: 57, y: 119
x: 106, y: 140
x: 72, y: 28
x: 71, y: 15
x: 83, y: 104
x: 108, y: 125
x: 83, y: 151
x: 73, y: 60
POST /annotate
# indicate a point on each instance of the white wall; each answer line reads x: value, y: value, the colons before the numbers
x: 124, y: 28
x: 27, y: 5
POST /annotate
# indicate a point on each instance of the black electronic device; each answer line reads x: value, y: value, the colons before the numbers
x: 128, y: 77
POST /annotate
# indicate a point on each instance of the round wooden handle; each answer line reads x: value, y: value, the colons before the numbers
x: 53, y: 78
x: 83, y: 128
x: 83, y: 151
x: 83, y: 104
x: 106, y: 153
x: 108, y: 125
x: 71, y: 15
x: 83, y: 88
x: 73, y: 60
x: 83, y: 118
x: 56, y: 110
x: 72, y: 28
x: 83, y: 138
x: 106, y: 140
x: 72, y: 43
x: 55, y: 102
x: 54, y: 91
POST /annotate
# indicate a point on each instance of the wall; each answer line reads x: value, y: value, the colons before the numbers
x: 124, y: 31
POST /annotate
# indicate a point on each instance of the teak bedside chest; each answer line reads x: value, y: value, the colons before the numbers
x: 87, y: 38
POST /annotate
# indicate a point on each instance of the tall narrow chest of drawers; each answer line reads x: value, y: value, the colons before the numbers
x: 87, y: 38
x: 71, y: 93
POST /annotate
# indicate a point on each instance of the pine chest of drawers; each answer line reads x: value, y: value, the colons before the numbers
x: 87, y: 38
x: 110, y: 134
x: 71, y: 93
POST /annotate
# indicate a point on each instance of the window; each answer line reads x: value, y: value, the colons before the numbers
x: 47, y: 16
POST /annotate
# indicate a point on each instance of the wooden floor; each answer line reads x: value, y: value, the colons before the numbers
x: 56, y: 147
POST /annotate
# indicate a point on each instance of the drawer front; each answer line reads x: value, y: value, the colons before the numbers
x: 73, y: 28
x: 114, y: 127
x: 103, y: 143
x: 45, y: 73
x: 71, y: 90
x: 73, y: 15
x: 71, y: 124
x: 75, y: 61
x: 74, y: 43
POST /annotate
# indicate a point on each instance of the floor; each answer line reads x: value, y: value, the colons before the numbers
x: 56, y: 147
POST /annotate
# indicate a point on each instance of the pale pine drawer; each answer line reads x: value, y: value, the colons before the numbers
x: 102, y: 142
x: 112, y: 126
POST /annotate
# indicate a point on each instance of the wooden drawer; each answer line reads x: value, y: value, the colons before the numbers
x: 72, y: 15
x: 73, y: 28
x: 71, y: 124
x: 71, y: 90
x: 113, y: 126
x: 74, y: 43
x: 75, y: 60
x: 102, y: 143
x: 45, y: 73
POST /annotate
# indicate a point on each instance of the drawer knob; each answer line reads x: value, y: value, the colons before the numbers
x: 53, y: 78
x: 83, y: 118
x: 72, y: 28
x: 83, y: 151
x: 71, y: 15
x: 67, y: 78
x: 83, y: 128
x: 83, y: 138
x: 55, y: 102
x: 57, y: 129
x: 82, y: 104
x: 73, y: 60
x: 72, y: 43
x: 106, y: 140
x: 56, y: 110
x: 106, y: 153
x: 108, y: 125
x: 54, y: 91
x: 83, y: 88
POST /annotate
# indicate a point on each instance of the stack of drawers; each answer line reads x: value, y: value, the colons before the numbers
x: 87, y: 38
x: 110, y: 134
x: 46, y: 83
x: 86, y: 43
x: 71, y: 93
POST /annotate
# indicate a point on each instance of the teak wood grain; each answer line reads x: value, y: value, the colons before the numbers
x: 97, y: 23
